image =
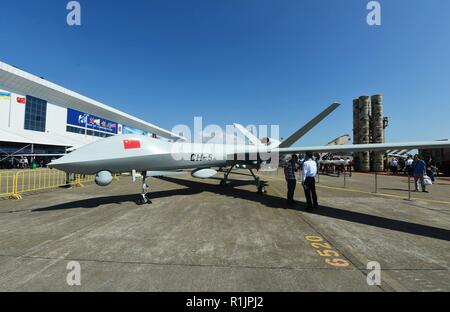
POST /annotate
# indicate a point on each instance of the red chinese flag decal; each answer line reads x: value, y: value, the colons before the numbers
x: 21, y: 100
x: 131, y: 144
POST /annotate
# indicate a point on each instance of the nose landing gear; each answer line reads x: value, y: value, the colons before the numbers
x: 260, y: 186
x: 145, y: 197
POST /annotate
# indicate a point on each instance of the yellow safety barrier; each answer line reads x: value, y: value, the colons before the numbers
x: 7, y: 181
x: 28, y: 181
x: 80, y: 179
x: 15, y: 184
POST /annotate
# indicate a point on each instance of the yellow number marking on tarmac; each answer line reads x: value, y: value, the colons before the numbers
x: 325, y: 250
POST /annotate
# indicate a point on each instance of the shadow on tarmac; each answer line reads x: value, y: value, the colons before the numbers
x: 191, y: 188
x: 194, y: 187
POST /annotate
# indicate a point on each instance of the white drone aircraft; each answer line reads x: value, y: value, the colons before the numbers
x: 153, y: 157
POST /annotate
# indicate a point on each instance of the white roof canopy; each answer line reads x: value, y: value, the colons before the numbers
x: 19, y: 81
x: 32, y: 137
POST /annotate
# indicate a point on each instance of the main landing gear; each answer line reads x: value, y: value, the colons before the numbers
x: 145, y: 197
x: 260, y: 186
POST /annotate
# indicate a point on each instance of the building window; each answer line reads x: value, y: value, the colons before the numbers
x: 89, y: 132
x: 75, y: 130
x: 35, y: 114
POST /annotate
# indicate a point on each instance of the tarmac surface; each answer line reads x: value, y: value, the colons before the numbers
x: 199, y: 236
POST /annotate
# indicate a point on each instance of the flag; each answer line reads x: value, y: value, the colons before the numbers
x: 21, y: 100
x: 5, y: 95
x: 131, y: 144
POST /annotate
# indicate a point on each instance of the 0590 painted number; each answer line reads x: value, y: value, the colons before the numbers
x: 325, y: 249
x: 323, y: 245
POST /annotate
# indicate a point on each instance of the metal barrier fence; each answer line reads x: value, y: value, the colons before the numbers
x: 28, y: 181
x: 388, y: 185
x: 15, y: 184
x: 382, y: 185
x: 7, y: 180
x: 81, y: 179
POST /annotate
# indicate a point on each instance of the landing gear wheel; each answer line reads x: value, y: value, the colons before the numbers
x: 262, y: 189
x: 142, y: 201
x: 145, y: 197
x: 223, y: 182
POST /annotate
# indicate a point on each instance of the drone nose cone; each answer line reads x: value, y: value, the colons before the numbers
x: 57, y: 164
x: 64, y: 163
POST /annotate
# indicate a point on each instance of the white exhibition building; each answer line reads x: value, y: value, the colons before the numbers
x: 40, y: 120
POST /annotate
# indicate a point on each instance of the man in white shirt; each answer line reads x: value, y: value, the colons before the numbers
x: 394, y: 166
x: 309, y: 173
x: 409, y: 165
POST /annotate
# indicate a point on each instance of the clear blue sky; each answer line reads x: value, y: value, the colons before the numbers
x: 253, y: 61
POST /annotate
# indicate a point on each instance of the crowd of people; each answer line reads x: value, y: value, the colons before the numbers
x: 23, y: 162
x: 423, y: 172
x: 405, y: 166
x: 338, y: 165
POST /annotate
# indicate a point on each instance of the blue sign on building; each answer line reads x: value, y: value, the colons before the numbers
x: 79, y: 119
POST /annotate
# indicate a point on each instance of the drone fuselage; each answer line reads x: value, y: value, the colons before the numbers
x: 126, y: 153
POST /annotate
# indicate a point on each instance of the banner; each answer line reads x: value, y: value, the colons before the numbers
x: 79, y: 119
